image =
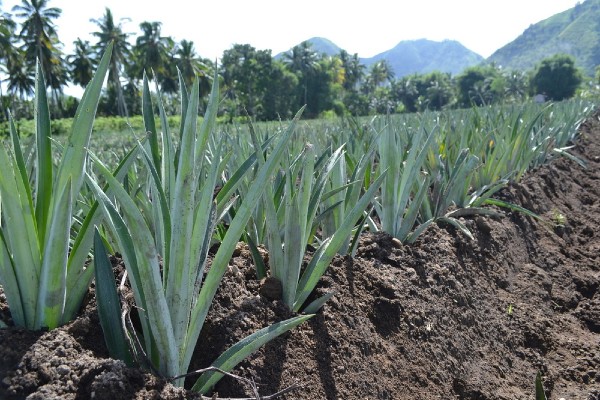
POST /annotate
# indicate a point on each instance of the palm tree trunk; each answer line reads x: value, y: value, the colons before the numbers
x: 121, y: 105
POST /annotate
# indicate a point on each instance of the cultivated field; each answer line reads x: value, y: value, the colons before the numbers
x: 434, y: 255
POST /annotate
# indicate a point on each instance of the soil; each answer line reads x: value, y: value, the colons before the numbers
x: 447, y: 317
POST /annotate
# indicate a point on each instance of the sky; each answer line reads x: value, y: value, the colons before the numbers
x: 366, y: 27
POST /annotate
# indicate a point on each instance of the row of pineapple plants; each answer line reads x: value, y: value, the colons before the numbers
x: 288, y: 187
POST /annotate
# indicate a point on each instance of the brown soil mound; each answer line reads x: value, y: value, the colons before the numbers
x: 447, y: 317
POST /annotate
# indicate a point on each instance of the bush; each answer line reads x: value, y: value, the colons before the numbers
x: 557, y: 77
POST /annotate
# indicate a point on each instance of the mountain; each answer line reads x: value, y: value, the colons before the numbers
x: 422, y: 56
x: 412, y: 56
x: 324, y: 46
x: 575, y: 32
x: 320, y: 45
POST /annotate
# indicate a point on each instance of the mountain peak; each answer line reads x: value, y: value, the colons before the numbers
x: 324, y: 46
x: 424, y: 55
x: 318, y: 44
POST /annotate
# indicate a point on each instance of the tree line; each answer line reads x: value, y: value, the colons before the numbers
x: 255, y: 83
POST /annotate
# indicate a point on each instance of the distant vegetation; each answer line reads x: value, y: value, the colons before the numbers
x: 330, y: 81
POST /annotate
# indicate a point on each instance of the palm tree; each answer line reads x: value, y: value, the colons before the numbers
x: 40, y: 43
x: 354, y: 70
x: 110, y: 32
x: 81, y: 62
x: 381, y: 73
x: 152, y: 49
x: 40, y: 39
x: 439, y: 94
x: 187, y: 60
x: 168, y: 77
x: 406, y: 91
x: 21, y: 80
x: 190, y: 64
x: 7, y: 49
x: 7, y: 27
x: 303, y: 60
x: 481, y: 92
x: 516, y: 85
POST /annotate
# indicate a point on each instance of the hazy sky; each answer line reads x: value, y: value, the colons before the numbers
x: 365, y: 27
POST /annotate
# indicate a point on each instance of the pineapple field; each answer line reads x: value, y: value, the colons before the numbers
x: 435, y: 255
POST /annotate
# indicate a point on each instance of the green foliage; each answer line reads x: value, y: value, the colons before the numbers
x: 478, y: 86
x: 175, y: 218
x: 453, y: 172
x: 245, y: 73
x: 420, y: 92
x: 539, y: 388
x: 108, y: 303
x: 402, y: 154
x: 40, y: 45
x: 102, y: 125
x: 292, y: 217
x: 42, y: 267
x: 557, y: 77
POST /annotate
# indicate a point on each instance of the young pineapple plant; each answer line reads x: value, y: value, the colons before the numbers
x: 43, y: 250
x: 173, y: 295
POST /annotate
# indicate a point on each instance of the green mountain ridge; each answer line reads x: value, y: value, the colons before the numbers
x: 575, y: 32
